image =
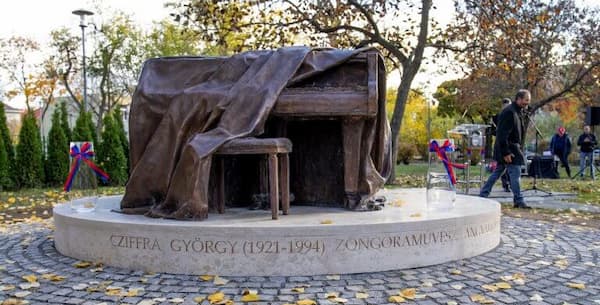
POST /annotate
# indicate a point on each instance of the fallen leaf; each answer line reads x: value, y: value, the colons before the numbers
x: 415, y: 215
x: 491, y: 288
x: 576, y: 285
x: 207, y: 277
x: 451, y: 303
x: 326, y: 221
x: 82, y: 264
x: 219, y: 280
x: 176, y: 300
x: 251, y: 297
x: 12, y: 301
x: 199, y: 299
x: 332, y: 295
x: 396, y: 299
x: 427, y: 284
x: 298, y: 289
x: 408, y: 293
x: 249, y: 291
x: 455, y: 272
x: 362, y: 295
x: 457, y: 286
x: 333, y: 277
x: 216, y: 297
x: 503, y: 285
x: 306, y: 302
x: 30, y: 278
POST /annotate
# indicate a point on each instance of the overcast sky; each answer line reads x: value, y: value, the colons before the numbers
x: 37, y: 18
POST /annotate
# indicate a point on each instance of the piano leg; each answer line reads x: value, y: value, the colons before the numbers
x: 352, y: 129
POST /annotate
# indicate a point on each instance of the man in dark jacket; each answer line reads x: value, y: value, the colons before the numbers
x: 507, y: 149
x: 560, y: 146
x: 504, y: 178
x: 586, y: 142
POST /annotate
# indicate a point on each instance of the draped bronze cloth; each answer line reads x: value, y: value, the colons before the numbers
x: 185, y: 108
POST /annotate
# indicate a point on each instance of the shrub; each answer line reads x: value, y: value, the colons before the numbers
x: 406, y: 152
x: 57, y: 163
x: 30, y: 166
x: 110, y: 153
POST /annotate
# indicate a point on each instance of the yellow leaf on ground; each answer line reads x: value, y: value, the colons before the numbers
x: 306, y: 302
x: 176, y: 300
x: 12, y: 301
x: 397, y: 203
x: 207, y: 277
x: 82, y: 264
x: 503, y: 285
x: 298, y: 289
x: 251, y: 297
x: 455, y: 272
x: 451, y: 303
x: 132, y: 292
x: 199, y: 299
x: 491, y: 288
x: 216, y: 297
x: 476, y: 298
x: 408, y: 293
x: 362, y: 295
x: 326, y: 221
x: 219, y: 280
x: 113, y: 292
x: 30, y: 278
x: 415, y: 215
x: 396, y: 299
x: 576, y: 285
x: 11, y: 200
x: 249, y: 291
x: 332, y: 295
x: 333, y: 277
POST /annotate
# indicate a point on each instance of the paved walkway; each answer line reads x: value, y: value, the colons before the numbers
x: 541, y: 199
x: 546, y: 256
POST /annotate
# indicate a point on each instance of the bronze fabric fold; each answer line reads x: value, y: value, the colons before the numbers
x: 185, y: 108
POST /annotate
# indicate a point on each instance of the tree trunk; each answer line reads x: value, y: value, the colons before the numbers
x: 410, y: 67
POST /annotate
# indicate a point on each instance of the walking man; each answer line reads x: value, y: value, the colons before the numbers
x: 507, y: 148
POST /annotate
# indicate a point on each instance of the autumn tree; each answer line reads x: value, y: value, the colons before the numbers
x: 226, y: 27
x: 548, y: 47
x: 341, y: 24
x: 15, y: 62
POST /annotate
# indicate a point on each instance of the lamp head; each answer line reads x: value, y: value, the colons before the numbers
x: 82, y: 13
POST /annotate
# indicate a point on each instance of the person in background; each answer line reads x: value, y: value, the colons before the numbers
x: 586, y: 143
x: 507, y: 149
x: 504, y: 178
x: 560, y: 146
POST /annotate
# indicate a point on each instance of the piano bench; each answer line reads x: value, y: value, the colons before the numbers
x: 277, y: 150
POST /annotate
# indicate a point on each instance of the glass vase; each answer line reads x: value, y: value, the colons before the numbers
x: 83, y: 194
x: 441, y: 179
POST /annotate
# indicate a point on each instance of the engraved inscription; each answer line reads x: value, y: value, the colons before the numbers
x: 134, y: 242
x: 306, y: 246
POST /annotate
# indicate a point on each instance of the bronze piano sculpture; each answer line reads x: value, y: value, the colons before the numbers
x: 330, y: 103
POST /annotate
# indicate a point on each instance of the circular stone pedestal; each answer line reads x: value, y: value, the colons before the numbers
x: 309, y: 241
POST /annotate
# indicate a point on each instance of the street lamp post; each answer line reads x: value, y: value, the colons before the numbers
x: 82, y: 13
